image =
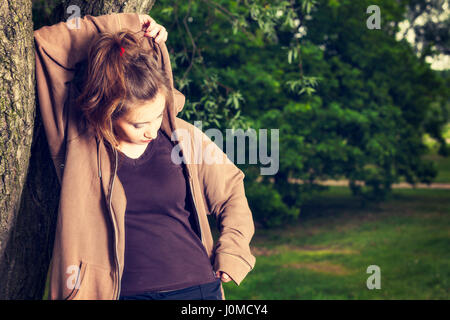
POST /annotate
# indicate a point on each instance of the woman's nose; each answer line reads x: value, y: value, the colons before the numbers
x: 149, y: 135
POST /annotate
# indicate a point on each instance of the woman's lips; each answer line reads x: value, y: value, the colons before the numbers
x: 147, y: 140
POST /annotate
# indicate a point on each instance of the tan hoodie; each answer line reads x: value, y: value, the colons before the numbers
x: 88, y: 252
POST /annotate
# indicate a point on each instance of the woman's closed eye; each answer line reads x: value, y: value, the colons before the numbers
x: 140, y: 126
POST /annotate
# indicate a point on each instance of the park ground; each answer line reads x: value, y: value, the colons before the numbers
x: 326, y: 253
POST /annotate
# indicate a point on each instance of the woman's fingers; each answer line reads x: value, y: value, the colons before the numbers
x: 154, y: 30
x: 223, y: 276
x: 159, y: 33
x: 145, y: 20
x: 162, y: 35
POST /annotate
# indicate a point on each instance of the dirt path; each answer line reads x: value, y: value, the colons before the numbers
x: 402, y: 185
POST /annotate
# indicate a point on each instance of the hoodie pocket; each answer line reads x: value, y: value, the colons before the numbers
x: 96, y: 283
x: 78, y: 279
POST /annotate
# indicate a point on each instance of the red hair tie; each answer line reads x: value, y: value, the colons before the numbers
x: 122, y: 51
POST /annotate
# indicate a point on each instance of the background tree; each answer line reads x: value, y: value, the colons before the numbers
x: 428, y: 22
x: 25, y: 218
x: 350, y: 102
x: 426, y: 28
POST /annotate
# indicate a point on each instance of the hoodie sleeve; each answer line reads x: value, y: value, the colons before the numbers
x: 57, y: 50
x: 223, y: 184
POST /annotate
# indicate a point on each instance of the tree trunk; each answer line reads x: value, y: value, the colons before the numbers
x: 98, y: 8
x: 29, y: 188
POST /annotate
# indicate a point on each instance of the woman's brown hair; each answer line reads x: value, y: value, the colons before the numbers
x: 116, y: 78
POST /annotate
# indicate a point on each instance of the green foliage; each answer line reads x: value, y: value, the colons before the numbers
x: 41, y: 12
x: 349, y: 102
x: 268, y: 207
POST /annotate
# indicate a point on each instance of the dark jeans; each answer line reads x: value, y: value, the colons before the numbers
x: 207, y: 291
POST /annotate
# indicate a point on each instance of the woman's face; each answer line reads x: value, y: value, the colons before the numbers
x: 142, y: 123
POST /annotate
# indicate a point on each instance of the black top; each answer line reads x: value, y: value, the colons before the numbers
x: 162, y: 249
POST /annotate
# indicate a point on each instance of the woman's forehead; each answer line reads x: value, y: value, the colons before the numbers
x: 146, y: 110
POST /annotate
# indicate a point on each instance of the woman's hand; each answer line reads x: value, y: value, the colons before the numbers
x: 152, y: 29
x: 223, y: 276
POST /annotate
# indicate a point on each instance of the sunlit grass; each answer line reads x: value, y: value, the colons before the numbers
x: 326, y: 254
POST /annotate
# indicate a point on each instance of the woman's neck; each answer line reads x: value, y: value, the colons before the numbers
x: 133, y: 151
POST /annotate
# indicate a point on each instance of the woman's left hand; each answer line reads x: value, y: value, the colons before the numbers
x: 223, y: 276
x: 152, y: 29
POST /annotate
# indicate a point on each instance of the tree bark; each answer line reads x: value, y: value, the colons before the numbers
x: 100, y: 7
x: 29, y: 188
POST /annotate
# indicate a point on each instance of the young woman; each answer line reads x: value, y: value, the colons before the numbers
x: 149, y: 237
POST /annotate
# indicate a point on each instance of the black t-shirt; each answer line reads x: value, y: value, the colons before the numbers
x: 162, y: 249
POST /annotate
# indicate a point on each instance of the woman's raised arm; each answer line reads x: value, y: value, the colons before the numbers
x: 57, y: 50
x: 67, y: 46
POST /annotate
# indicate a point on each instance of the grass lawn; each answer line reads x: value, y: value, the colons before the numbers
x: 326, y: 254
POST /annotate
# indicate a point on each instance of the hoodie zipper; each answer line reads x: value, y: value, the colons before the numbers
x: 196, y: 211
x: 115, y: 227
x: 193, y: 201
